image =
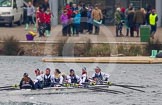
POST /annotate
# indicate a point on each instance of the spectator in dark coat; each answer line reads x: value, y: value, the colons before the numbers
x: 130, y: 18
x: 83, y: 19
x: 126, y: 18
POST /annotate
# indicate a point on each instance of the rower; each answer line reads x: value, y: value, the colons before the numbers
x: 57, y: 78
x: 84, y: 77
x: 99, y: 77
x: 47, y: 78
x: 64, y: 78
x: 38, y: 82
x: 73, y: 78
x: 26, y: 82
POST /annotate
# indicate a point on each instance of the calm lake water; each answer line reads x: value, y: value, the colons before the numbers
x: 12, y: 69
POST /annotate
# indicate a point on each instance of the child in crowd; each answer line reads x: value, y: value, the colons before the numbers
x: 76, y: 22
x: 48, y: 15
x: 64, y: 20
x: 30, y: 15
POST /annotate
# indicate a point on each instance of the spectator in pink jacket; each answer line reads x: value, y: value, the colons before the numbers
x: 64, y: 21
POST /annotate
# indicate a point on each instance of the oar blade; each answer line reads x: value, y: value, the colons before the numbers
x: 128, y: 87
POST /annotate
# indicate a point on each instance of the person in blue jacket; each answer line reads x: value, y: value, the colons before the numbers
x: 76, y: 22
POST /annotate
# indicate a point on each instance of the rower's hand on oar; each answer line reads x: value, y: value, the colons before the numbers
x: 15, y: 86
x: 109, y: 83
x: 93, y: 83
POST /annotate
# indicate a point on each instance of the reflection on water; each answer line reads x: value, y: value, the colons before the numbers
x: 150, y: 76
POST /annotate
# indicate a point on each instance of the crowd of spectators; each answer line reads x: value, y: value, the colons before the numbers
x: 133, y: 18
x: 78, y: 18
x: 82, y: 18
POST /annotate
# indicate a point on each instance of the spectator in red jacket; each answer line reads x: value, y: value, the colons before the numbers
x: 48, y: 21
x: 37, y: 16
x: 41, y: 22
x: 69, y: 13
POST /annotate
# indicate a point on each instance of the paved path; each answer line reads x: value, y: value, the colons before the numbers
x: 107, y: 34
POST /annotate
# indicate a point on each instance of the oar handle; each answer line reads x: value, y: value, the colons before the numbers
x: 15, y: 86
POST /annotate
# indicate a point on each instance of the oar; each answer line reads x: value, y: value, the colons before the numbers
x: 9, y: 89
x: 113, y: 84
x: 124, y: 86
x: 134, y: 89
x: 15, y: 86
x: 98, y: 88
x: 105, y: 90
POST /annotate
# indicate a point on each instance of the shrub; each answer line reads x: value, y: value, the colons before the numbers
x: 122, y: 50
x: 11, y: 46
x: 101, y: 50
x: 135, y: 50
